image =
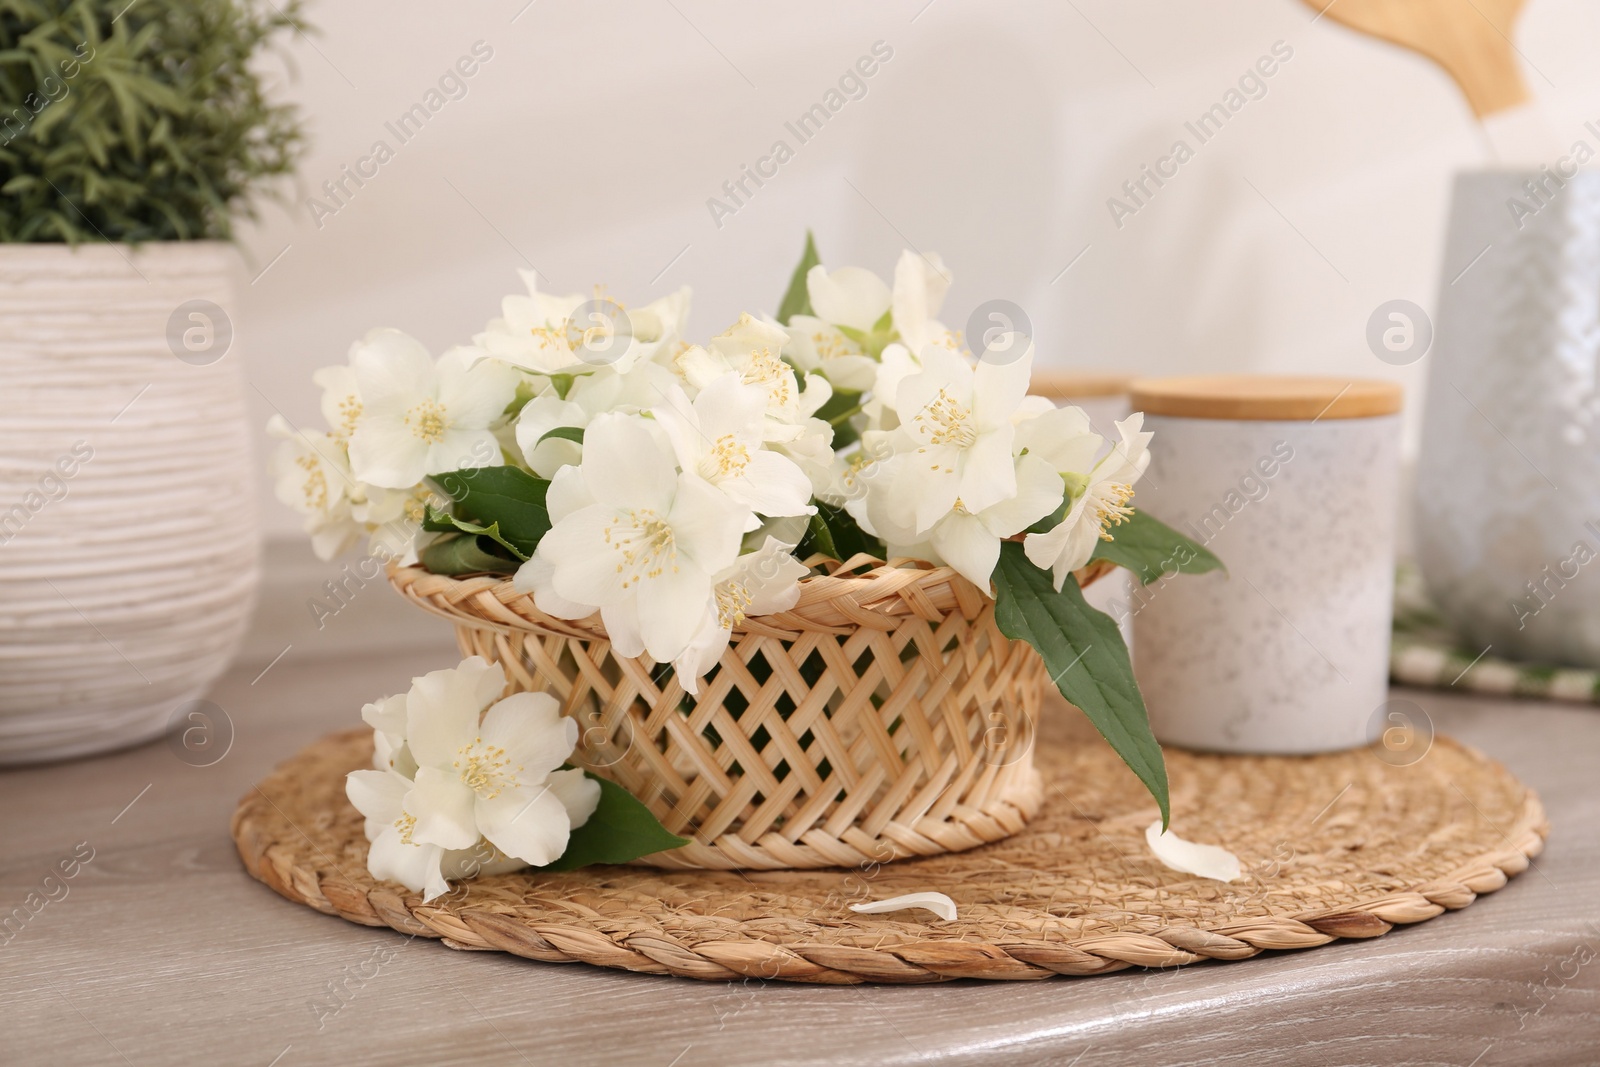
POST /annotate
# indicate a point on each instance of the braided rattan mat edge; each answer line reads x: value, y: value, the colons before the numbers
x: 296, y: 833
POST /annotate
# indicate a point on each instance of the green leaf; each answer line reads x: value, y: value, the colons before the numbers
x: 621, y: 829
x: 438, y: 521
x: 563, y: 433
x: 797, y: 301
x: 835, y: 534
x: 466, y: 554
x: 1150, y: 549
x: 1084, y: 653
x: 506, y: 497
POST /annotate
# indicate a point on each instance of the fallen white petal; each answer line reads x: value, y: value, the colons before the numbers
x: 937, y: 903
x: 1208, y: 861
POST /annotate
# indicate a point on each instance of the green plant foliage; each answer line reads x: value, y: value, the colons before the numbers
x: 836, y: 534
x: 507, y: 498
x: 437, y: 521
x: 621, y: 829
x: 1087, y: 660
x: 467, y: 554
x: 139, y: 121
x: 1152, y: 549
x: 797, y: 300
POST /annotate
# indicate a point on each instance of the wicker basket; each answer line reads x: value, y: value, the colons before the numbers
x: 884, y: 716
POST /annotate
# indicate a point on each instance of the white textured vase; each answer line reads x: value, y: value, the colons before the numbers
x: 128, y: 538
x: 1508, y: 478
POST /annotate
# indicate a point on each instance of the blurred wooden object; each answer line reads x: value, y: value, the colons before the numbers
x: 1075, y: 385
x: 1470, y: 39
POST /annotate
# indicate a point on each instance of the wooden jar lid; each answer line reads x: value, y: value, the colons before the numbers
x: 1263, y: 397
x: 1074, y: 385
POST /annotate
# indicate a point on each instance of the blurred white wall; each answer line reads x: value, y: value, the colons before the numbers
x: 588, y: 144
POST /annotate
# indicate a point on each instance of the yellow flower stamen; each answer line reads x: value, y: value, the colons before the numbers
x: 732, y: 600
x: 315, y: 486
x: 726, y: 459
x: 947, y: 421
x: 765, y: 368
x: 349, y: 414
x: 484, y: 769
x: 427, y: 421
x: 1110, y: 506
x: 645, y: 544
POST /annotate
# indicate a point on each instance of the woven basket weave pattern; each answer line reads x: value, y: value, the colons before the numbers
x: 883, y: 716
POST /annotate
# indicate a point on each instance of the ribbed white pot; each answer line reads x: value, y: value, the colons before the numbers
x: 128, y: 538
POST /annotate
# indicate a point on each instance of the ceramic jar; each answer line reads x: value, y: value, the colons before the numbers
x: 1508, y: 477
x: 128, y: 536
x: 1292, y: 482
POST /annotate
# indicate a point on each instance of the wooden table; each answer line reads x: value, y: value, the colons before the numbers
x: 163, y: 951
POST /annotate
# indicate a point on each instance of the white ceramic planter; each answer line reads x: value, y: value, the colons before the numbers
x: 1288, y: 652
x: 128, y: 538
x: 1508, y: 478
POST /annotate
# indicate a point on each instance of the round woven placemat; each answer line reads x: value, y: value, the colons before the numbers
x: 1335, y: 846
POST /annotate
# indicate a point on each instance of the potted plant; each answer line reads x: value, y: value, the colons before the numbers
x: 800, y: 587
x: 131, y: 136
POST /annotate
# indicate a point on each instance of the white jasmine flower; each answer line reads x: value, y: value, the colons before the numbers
x: 497, y: 777
x: 461, y: 791
x: 920, y: 284
x: 420, y: 418
x: 758, y: 583
x: 635, y: 538
x: 852, y: 297
x: 752, y: 349
x: 341, y: 399
x: 552, y: 334
x: 820, y: 347
x: 604, y: 390
x: 393, y: 856
x: 955, y: 423
x: 1102, y: 501
x: 312, y: 475
x: 718, y: 436
x: 895, y: 366
x: 968, y: 540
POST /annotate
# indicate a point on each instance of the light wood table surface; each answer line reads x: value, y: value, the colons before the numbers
x: 164, y: 951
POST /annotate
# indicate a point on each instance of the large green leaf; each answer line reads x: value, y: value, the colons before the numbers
x: 1086, y: 658
x: 506, y: 497
x: 797, y: 301
x: 1150, y: 549
x: 621, y: 829
x: 466, y: 554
